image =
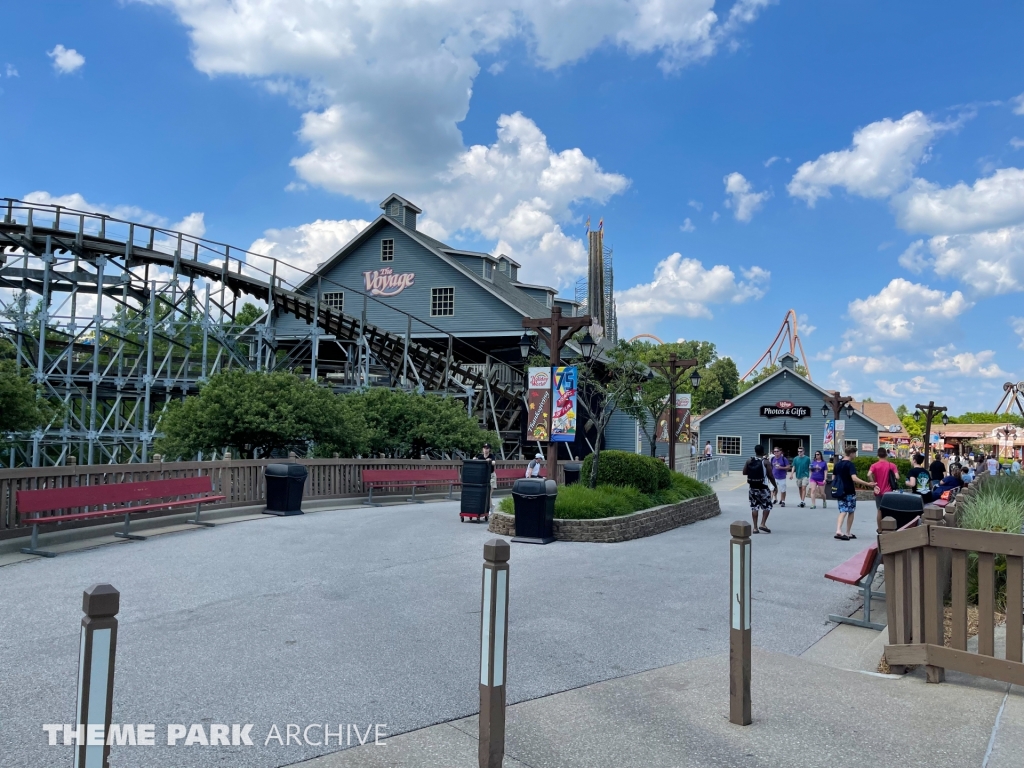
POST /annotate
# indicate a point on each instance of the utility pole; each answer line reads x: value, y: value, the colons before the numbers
x: 930, y: 411
x: 835, y: 403
x: 556, y: 331
x: 673, y: 370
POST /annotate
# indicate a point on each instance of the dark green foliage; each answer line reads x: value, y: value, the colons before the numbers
x: 622, y: 468
x: 22, y: 408
x: 997, y: 506
x: 578, y: 502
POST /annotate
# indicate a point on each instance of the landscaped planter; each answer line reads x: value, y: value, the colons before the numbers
x: 646, y: 522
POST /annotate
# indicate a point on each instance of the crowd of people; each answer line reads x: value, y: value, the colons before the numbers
x: 768, y: 481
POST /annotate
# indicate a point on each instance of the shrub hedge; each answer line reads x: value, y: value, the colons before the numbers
x: 620, y: 468
x: 577, y: 502
x: 863, y: 463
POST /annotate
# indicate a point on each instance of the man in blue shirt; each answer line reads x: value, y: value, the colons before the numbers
x: 780, y: 468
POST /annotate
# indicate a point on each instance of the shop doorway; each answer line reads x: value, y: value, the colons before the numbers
x: 788, y: 444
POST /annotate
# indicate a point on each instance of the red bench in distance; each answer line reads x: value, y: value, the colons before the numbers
x: 381, y: 479
x: 113, y: 499
x: 510, y: 475
x: 859, y: 571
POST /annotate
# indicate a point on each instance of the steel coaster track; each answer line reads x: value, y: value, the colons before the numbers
x: 114, y: 372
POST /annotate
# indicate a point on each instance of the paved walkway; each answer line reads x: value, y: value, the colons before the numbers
x: 372, y: 616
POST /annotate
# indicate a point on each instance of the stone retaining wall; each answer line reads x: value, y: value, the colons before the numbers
x: 646, y: 522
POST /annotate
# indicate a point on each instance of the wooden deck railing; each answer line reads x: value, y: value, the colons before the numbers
x: 241, y: 481
x: 914, y: 598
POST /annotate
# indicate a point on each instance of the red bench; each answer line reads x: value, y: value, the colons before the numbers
x: 510, y: 475
x: 859, y: 571
x: 114, y: 499
x: 382, y: 479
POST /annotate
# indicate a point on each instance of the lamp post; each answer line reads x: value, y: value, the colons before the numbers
x: 835, y: 403
x: 930, y: 411
x: 673, y: 370
x: 1009, y: 434
x: 556, y: 331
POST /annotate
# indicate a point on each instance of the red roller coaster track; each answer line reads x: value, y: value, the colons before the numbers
x: 788, y: 332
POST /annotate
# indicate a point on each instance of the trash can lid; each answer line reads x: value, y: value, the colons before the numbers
x: 529, y: 486
x: 286, y: 470
x: 551, y: 487
x: 573, y: 466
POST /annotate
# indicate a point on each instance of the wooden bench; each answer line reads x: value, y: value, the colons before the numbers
x: 510, y: 475
x: 114, y: 499
x: 859, y: 571
x: 381, y: 479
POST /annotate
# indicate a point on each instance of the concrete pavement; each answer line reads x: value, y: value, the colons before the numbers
x: 371, y: 615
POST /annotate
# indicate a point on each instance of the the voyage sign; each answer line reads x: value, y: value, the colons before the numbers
x: 787, y: 409
x: 387, y: 282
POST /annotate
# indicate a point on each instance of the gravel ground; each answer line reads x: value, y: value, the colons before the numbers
x: 372, y: 616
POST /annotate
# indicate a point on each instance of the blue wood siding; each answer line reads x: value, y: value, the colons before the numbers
x: 476, y: 310
x: 741, y: 418
x: 620, y: 433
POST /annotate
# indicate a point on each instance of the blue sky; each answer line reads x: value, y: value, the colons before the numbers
x: 859, y: 162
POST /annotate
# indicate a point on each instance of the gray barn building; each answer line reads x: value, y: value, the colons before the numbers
x: 783, y: 410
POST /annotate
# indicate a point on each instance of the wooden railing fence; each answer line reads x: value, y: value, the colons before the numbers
x: 241, y: 481
x: 914, y: 598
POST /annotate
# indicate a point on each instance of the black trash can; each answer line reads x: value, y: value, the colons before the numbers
x: 534, y: 499
x: 284, y: 488
x: 903, y: 507
x: 572, y: 472
x: 475, y: 503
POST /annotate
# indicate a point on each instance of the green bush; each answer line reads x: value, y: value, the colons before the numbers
x: 863, y: 463
x: 997, y: 506
x: 621, y: 468
x: 577, y: 502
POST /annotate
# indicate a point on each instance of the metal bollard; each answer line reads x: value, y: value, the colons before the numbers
x: 739, y: 632
x: 96, y: 675
x: 493, y: 635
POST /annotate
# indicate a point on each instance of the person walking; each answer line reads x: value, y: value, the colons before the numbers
x: 485, y: 455
x: 920, y: 480
x: 707, y: 450
x: 802, y: 473
x: 992, y: 464
x: 1015, y: 467
x: 759, y: 473
x: 818, y: 468
x: 886, y: 475
x: 937, y: 469
x: 780, y: 469
x: 534, y: 467
x: 846, y: 474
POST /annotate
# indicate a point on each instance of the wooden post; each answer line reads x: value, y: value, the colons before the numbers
x: 739, y: 631
x: 493, y: 638
x: 932, y: 595
x: 100, y: 604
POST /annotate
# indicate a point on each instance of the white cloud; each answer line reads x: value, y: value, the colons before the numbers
x: 716, y: 216
x: 11, y: 71
x: 65, y: 60
x: 1016, y: 143
x: 804, y: 325
x: 771, y: 160
x: 696, y: 205
x: 1018, y: 104
x: 306, y: 246
x: 902, y: 309
x: 743, y: 200
x: 683, y: 287
x: 943, y: 362
x: 79, y: 203
x: 990, y: 202
x: 518, y: 192
x: 913, y: 258
x: 990, y: 262
x: 880, y: 162
x: 497, y: 67
x: 688, y: 226
x: 386, y: 83
x: 1018, y: 327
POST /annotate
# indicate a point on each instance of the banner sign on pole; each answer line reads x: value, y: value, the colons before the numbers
x: 563, y: 392
x: 684, y: 402
x: 828, y: 445
x: 538, y: 401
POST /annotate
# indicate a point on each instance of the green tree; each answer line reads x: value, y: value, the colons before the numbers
x: 257, y: 413
x: 767, y: 371
x: 914, y: 428
x: 901, y: 411
x: 720, y: 380
x: 975, y: 417
x: 22, y: 407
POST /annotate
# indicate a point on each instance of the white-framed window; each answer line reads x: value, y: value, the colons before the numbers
x: 396, y: 210
x: 849, y: 444
x: 442, y: 302
x: 387, y: 250
x: 549, y: 300
x: 334, y: 300
x: 729, y: 445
